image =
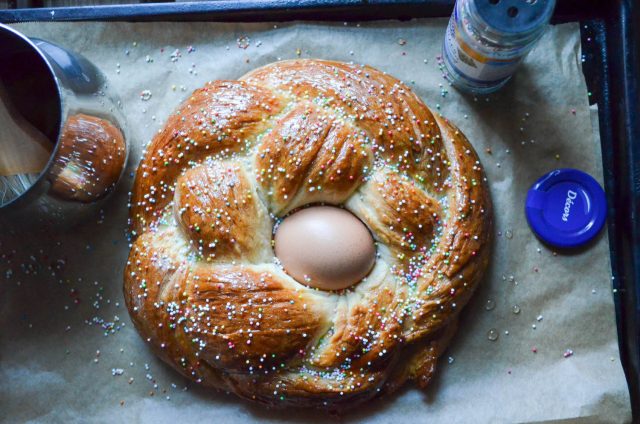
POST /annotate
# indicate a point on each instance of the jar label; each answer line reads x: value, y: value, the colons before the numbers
x: 473, y: 64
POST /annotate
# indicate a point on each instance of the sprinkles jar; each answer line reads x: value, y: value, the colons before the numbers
x: 486, y: 40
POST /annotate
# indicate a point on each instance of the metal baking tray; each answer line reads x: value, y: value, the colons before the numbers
x: 610, y: 31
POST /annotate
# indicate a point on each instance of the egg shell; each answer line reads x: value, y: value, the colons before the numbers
x: 325, y: 247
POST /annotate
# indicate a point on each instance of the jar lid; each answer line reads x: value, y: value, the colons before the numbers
x: 566, y: 208
x: 515, y: 16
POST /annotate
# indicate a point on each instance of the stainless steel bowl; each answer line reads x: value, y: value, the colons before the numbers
x: 49, y: 85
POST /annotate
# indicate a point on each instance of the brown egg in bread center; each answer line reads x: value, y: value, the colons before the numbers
x: 238, y: 160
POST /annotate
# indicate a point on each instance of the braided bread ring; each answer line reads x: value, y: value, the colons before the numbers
x: 202, y: 284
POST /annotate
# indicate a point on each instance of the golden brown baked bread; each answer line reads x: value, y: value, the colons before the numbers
x: 90, y: 159
x: 202, y: 283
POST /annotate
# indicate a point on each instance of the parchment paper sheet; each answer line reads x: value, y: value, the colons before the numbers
x: 68, y: 352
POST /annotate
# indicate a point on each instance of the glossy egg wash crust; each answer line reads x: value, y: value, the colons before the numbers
x: 203, y: 286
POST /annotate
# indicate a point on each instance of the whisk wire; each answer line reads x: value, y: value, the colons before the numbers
x: 12, y: 186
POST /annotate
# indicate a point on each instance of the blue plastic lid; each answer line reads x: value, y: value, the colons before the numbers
x: 566, y: 208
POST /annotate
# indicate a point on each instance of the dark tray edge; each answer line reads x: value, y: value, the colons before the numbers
x: 273, y: 10
x: 614, y: 57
